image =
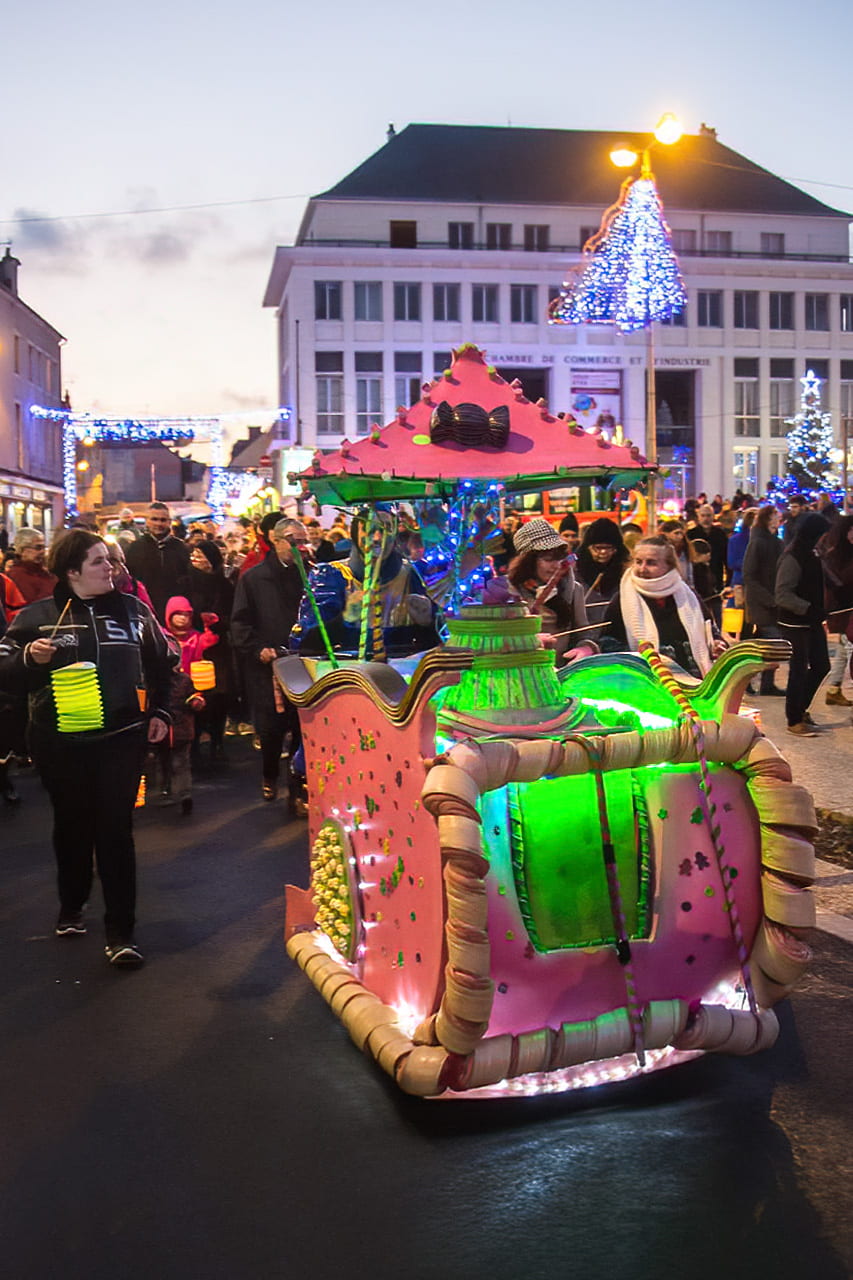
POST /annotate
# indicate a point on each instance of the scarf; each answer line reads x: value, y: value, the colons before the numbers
x: 639, y: 621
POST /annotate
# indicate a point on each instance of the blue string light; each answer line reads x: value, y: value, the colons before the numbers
x: 630, y: 276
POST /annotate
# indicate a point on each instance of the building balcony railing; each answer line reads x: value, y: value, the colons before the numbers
x: 568, y: 249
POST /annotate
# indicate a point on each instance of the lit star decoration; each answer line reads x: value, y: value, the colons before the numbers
x: 629, y: 273
x: 810, y: 444
x: 91, y: 430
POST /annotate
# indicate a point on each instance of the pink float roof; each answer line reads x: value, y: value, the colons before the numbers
x: 402, y: 460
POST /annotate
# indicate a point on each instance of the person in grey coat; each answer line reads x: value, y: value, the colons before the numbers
x: 759, y: 585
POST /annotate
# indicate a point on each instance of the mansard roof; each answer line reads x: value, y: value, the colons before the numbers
x: 476, y: 164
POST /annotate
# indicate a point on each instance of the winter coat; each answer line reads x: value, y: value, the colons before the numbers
x: 117, y: 633
x: 759, y: 576
x: 213, y: 593
x: 266, y: 606
x: 799, y: 591
x: 163, y: 565
x: 193, y: 644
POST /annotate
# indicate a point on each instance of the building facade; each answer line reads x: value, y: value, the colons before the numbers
x: 30, y: 447
x: 451, y: 234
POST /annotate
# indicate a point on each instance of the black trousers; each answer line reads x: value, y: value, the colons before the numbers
x: 770, y: 632
x: 809, y: 665
x: 92, y: 786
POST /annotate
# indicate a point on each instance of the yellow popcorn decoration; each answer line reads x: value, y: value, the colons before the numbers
x: 330, y: 886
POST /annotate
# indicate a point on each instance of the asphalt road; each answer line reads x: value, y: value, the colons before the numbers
x: 207, y: 1116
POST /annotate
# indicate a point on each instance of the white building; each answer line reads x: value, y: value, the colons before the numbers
x: 453, y: 233
x: 30, y: 448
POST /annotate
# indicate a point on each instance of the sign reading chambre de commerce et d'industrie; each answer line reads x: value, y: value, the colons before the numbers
x: 594, y: 391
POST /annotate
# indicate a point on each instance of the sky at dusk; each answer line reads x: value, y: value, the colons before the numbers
x: 157, y: 154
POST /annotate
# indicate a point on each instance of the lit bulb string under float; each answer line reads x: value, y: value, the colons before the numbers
x: 614, y: 892
x: 691, y: 717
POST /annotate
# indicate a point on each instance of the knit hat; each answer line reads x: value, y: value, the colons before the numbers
x: 537, y: 535
x: 603, y: 532
x: 210, y: 551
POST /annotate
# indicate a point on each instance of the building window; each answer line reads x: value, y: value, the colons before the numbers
x: 772, y: 244
x: 586, y: 234
x: 745, y: 470
x: 747, y: 417
x: 368, y: 299
x: 368, y: 390
x: 403, y: 235
x: 408, y: 377
x: 678, y: 319
x: 684, y: 241
x: 407, y: 302
x: 846, y: 401
x: 817, y: 312
x: 441, y: 360
x: 746, y: 309
x: 329, y: 367
x: 498, y: 235
x: 709, y: 309
x: 445, y: 302
x: 718, y: 243
x: 522, y: 303
x: 782, y: 396
x: 554, y: 292
x: 781, y: 311
x: 327, y: 299
x: 845, y: 303
x: 460, y: 235
x: 537, y: 239
x: 17, y: 353
x: 484, y: 303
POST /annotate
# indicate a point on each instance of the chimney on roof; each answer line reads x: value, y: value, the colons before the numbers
x: 9, y: 272
x: 254, y: 432
x: 705, y: 131
x: 392, y: 133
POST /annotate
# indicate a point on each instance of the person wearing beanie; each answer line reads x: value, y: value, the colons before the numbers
x: 801, y: 614
x: 542, y: 574
x: 127, y: 531
x: 602, y: 558
x: 569, y: 531
x: 211, y: 595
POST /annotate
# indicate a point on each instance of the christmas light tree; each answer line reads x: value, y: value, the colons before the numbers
x: 810, y: 444
x: 629, y: 275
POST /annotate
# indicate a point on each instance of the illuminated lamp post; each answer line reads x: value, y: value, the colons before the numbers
x: 629, y: 274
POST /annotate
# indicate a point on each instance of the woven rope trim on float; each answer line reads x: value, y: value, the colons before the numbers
x: 450, y: 1049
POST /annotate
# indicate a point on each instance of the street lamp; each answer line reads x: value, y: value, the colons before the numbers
x: 667, y: 131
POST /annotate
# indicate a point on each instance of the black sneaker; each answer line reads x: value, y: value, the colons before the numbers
x: 124, y: 955
x: 70, y: 924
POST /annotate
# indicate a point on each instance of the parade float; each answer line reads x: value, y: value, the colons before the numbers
x: 525, y: 879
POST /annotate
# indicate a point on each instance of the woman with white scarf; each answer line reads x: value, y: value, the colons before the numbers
x: 656, y: 604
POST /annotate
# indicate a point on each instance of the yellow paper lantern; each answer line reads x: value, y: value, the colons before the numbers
x: 203, y: 675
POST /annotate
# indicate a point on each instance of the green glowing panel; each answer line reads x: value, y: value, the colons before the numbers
x: 557, y: 858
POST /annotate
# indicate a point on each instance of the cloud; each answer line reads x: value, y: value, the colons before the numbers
x: 61, y: 241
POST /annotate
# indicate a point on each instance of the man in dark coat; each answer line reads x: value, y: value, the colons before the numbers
x: 159, y: 560
x: 266, y: 606
x: 718, y: 540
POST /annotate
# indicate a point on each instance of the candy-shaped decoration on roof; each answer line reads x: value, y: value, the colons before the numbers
x: 470, y: 425
x: 628, y: 275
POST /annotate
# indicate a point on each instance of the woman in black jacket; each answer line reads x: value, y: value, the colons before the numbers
x: 89, y: 754
x: 760, y: 561
x: 799, y: 600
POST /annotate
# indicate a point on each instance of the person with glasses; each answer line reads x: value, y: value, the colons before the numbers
x: 28, y: 572
x: 266, y: 606
x: 159, y: 559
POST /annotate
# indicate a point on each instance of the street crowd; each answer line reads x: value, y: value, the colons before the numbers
x: 129, y: 655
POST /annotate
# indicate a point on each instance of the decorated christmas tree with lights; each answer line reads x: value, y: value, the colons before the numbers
x: 810, y: 444
x: 629, y: 275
